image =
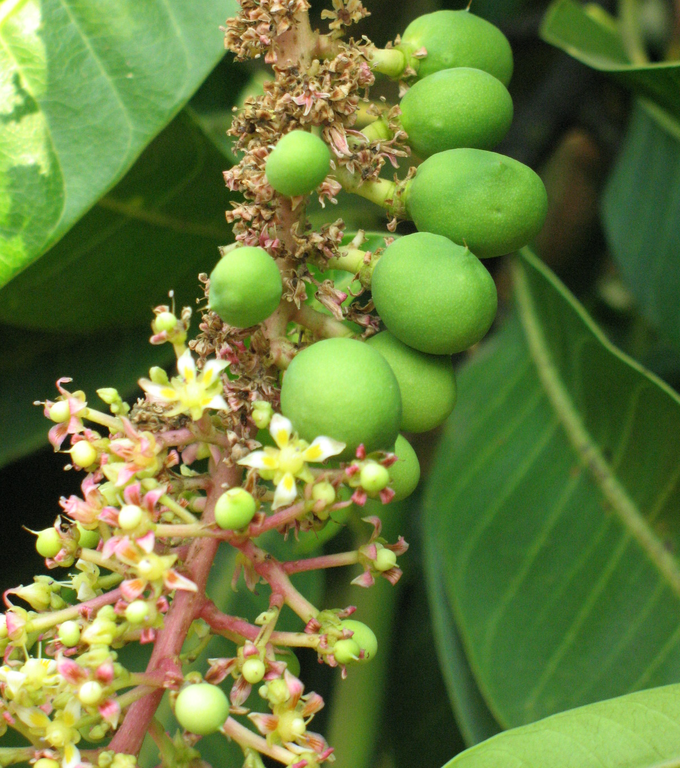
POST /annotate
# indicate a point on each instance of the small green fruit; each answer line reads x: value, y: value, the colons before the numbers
x: 235, y: 509
x: 48, y: 542
x: 405, y: 472
x: 461, y: 107
x: 363, y: 636
x: 87, y: 539
x: 298, y: 164
x: 427, y: 382
x: 253, y: 670
x: 346, y: 651
x: 83, y: 454
x: 245, y: 287
x: 201, y: 708
x: 433, y: 295
x: 458, y: 39
x: 60, y: 412
x: 137, y: 611
x: 489, y: 202
x: 341, y: 388
x: 69, y: 633
x: 374, y: 477
x: 385, y: 559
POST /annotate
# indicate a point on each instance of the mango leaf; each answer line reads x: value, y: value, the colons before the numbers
x: 128, y: 67
x: 154, y: 232
x: 642, y: 227
x: 641, y: 730
x: 473, y: 717
x: 33, y: 362
x: 598, y: 44
x: 552, y: 508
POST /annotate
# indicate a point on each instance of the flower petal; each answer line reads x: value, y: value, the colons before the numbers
x: 159, y: 391
x: 260, y: 460
x: 286, y: 492
x: 186, y: 366
x: 211, y: 371
x: 280, y: 429
x: 174, y: 580
x: 322, y: 448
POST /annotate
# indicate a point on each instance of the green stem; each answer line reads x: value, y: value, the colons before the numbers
x: 350, y: 260
x: 380, y: 191
x: 378, y: 130
x: 322, y: 325
x: 356, y: 706
x: 388, y: 61
x: 178, y: 509
x: 11, y: 755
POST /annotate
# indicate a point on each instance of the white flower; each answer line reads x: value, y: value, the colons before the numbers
x: 288, y: 462
x: 191, y: 392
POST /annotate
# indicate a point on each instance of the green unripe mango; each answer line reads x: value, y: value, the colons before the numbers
x: 298, y: 163
x: 405, y: 472
x: 245, y: 287
x: 433, y: 295
x: 341, y: 388
x: 427, y: 382
x: 458, y: 39
x: 460, y: 107
x: 364, y: 637
x: 489, y: 202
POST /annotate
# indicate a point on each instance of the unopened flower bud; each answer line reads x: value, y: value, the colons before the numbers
x: 158, y: 375
x: 262, y: 413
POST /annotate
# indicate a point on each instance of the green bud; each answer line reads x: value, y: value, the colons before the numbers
x: 235, y: 509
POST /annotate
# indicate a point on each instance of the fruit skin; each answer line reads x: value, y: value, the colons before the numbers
x: 201, y: 708
x: 364, y: 637
x: 433, y: 295
x: 460, y: 107
x: 458, y: 39
x: 298, y: 163
x: 341, y: 388
x: 489, y: 202
x: 427, y: 382
x: 405, y: 472
x: 245, y: 287
x: 234, y: 509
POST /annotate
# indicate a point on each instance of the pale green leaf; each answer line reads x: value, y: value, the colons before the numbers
x: 553, y: 511
x: 84, y: 86
x: 641, y: 730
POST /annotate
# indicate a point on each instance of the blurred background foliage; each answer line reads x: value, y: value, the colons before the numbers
x: 542, y: 572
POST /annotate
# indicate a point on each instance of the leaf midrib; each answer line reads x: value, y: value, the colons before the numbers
x: 583, y: 443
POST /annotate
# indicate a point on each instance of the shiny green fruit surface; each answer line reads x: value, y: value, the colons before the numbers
x: 458, y: 39
x: 341, y: 388
x: 489, y: 202
x: 364, y: 637
x: 298, y: 163
x: 427, y: 382
x: 405, y: 472
x: 460, y: 107
x: 245, y: 287
x: 201, y: 708
x: 433, y: 295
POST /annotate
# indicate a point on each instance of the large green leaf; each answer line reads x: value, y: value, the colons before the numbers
x: 641, y: 730
x: 553, y: 508
x: 640, y: 216
x: 84, y: 86
x: 33, y: 362
x: 473, y: 717
x: 154, y: 232
x: 598, y: 44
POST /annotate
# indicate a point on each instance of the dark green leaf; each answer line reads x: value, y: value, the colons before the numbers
x: 85, y: 86
x: 640, y: 730
x: 640, y: 217
x: 598, y: 44
x: 33, y: 362
x: 552, y: 508
x: 154, y: 232
x: 473, y: 717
